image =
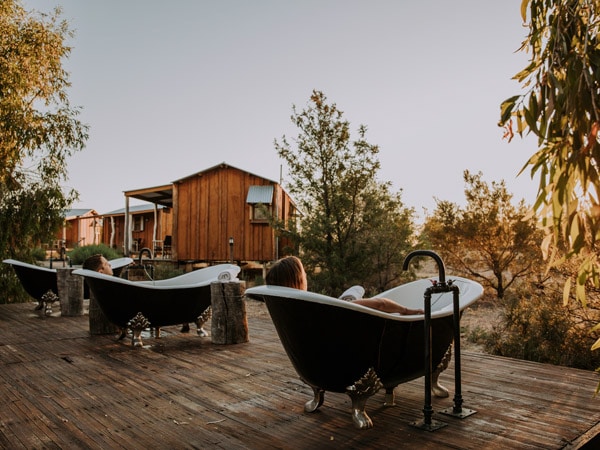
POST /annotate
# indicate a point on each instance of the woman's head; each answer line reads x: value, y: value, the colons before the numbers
x: 288, y: 272
x: 98, y: 263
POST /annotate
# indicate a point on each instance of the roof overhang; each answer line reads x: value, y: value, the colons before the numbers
x: 160, y: 195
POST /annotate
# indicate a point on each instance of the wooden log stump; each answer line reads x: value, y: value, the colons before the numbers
x: 70, y: 292
x: 229, y: 323
x: 99, y: 323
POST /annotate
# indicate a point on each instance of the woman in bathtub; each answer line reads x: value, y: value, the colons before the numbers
x: 289, y: 272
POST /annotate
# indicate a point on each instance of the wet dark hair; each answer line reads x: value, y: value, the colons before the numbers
x: 286, y: 272
x: 94, y: 263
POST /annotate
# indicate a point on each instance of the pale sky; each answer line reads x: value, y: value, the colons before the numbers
x: 170, y: 88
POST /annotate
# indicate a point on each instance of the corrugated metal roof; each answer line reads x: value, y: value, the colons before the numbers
x: 73, y: 213
x: 146, y: 207
x: 260, y: 194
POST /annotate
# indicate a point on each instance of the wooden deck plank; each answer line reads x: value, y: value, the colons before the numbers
x: 65, y: 389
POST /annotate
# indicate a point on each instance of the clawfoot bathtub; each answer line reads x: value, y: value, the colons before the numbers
x: 141, y: 304
x: 40, y: 282
x: 339, y: 346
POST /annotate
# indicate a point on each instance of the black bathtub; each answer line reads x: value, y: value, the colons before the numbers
x: 339, y: 346
x: 142, y: 304
x: 38, y: 280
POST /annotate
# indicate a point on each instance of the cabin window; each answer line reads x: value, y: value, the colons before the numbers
x: 260, y: 212
x: 138, y: 223
x: 260, y: 199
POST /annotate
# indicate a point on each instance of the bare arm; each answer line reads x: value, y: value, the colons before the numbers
x: 387, y: 305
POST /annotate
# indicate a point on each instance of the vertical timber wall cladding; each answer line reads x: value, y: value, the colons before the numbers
x: 212, y: 208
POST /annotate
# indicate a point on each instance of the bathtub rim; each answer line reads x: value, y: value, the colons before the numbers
x: 114, y: 264
x: 473, y: 293
x: 16, y: 262
x: 197, y: 275
x: 120, y: 262
x: 186, y: 280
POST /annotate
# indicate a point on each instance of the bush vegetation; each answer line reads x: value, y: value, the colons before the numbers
x: 38, y: 254
x: 535, y: 326
x: 165, y: 271
x: 80, y: 254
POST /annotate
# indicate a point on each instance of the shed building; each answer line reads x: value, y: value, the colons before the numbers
x: 220, y: 214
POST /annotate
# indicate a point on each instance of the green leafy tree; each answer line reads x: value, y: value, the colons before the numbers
x: 39, y: 130
x: 352, y: 229
x: 560, y: 106
x: 490, y: 239
x: 386, y: 235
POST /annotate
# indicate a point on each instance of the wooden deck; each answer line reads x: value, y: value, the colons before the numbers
x: 62, y: 388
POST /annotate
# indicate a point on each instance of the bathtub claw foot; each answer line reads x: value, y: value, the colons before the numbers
x: 46, y: 302
x: 436, y: 388
x: 359, y: 393
x: 201, y: 321
x: 136, y: 338
x: 202, y: 332
x: 122, y: 334
x: 360, y: 418
x: 137, y: 325
x: 389, y: 397
x: 318, y: 398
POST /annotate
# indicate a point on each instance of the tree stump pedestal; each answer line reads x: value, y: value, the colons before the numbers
x: 70, y: 292
x: 99, y: 324
x: 229, y: 323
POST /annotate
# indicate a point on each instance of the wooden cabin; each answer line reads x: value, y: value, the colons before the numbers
x: 151, y: 226
x: 81, y: 227
x: 221, y: 214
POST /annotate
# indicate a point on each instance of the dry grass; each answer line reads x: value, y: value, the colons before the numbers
x: 476, y: 320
